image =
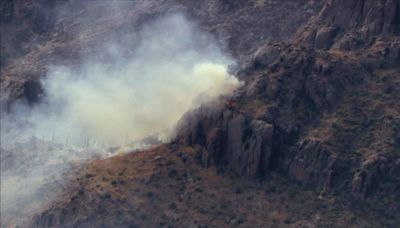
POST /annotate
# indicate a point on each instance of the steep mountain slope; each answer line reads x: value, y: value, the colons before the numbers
x: 325, y: 114
x: 45, y: 33
x: 312, y: 139
x: 167, y: 187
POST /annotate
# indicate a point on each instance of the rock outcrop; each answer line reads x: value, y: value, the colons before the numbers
x: 374, y: 171
x: 312, y: 164
x: 352, y: 24
x: 232, y: 140
x: 318, y: 107
x: 321, y: 109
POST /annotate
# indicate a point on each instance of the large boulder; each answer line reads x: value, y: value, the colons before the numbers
x: 324, y: 37
x: 230, y: 139
x: 312, y: 164
x: 375, y: 171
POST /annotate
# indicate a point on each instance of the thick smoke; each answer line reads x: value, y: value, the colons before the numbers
x: 174, y: 68
x: 112, y: 101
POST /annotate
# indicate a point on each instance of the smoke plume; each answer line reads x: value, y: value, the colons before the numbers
x: 128, y: 98
x: 120, y: 96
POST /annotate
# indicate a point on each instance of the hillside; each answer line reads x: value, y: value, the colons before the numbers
x: 311, y: 139
x: 168, y: 187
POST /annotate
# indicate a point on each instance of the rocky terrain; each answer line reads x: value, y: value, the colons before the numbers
x: 66, y: 32
x: 319, y: 109
x: 168, y: 187
x: 312, y: 139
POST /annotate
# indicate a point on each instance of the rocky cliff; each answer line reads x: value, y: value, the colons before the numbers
x: 319, y: 108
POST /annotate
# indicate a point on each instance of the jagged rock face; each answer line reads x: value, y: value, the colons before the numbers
x: 312, y: 164
x: 231, y: 139
x: 373, y: 17
x: 324, y: 37
x: 349, y: 25
x: 325, y: 115
x: 374, y: 169
x: 316, y: 102
x: 291, y: 93
x: 292, y: 118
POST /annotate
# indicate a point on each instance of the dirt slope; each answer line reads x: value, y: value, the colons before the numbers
x: 168, y: 187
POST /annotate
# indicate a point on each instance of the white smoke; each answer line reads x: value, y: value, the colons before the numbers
x: 126, y: 99
x: 109, y: 102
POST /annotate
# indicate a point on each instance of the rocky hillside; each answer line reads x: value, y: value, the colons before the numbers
x: 45, y: 33
x: 168, y: 187
x: 312, y: 139
x: 322, y: 110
